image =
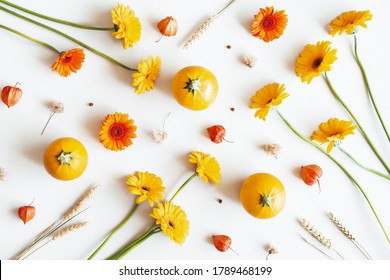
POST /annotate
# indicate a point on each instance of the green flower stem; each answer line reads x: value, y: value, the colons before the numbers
x: 69, y: 38
x: 55, y: 19
x: 369, y: 88
x: 151, y: 231
x: 125, y: 220
x: 342, y: 168
x: 363, y: 166
x: 29, y: 38
x: 182, y: 186
x: 362, y: 131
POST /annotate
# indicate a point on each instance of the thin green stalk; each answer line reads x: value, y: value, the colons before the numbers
x: 346, y: 172
x: 182, y: 186
x: 56, y: 19
x: 369, y: 88
x: 118, y: 227
x: 29, y: 38
x: 69, y: 38
x: 363, y: 166
x: 362, y: 131
x: 151, y: 231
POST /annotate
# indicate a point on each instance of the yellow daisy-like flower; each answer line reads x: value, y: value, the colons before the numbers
x: 126, y: 25
x: 333, y: 132
x: 207, y: 167
x: 348, y: 22
x: 267, y: 98
x: 315, y: 59
x: 147, y: 186
x: 269, y: 24
x: 172, y: 220
x: 148, y: 72
x: 116, y: 131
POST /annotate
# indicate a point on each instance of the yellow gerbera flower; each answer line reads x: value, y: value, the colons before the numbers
x: 314, y: 59
x: 269, y: 24
x: 348, y: 22
x: 116, y: 131
x: 267, y: 98
x: 127, y: 27
x: 147, y: 185
x: 333, y: 132
x: 207, y: 167
x: 172, y: 220
x: 148, y: 72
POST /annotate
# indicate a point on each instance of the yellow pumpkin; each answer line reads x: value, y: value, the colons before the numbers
x: 262, y: 195
x: 65, y: 158
x: 195, y: 87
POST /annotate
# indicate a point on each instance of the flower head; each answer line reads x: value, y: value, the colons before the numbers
x: 3, y: 174
x: 126, y: 25
x: 268, y: 97
x: 333, y: 132
x: 315, y: 59
x: 207, y: 167
x: 349, y: 22
x: 116, y: 131
x: 172, y: 220
x: 269, y: 24
x: 148, y: 72
x: 56, y: 107
x: 147, y: 185
x: 69, y: 61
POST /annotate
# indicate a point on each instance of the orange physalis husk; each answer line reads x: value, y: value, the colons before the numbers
x: 310, y: 174
x: 26, y: 213
x: 222, y: 243
x: 217, y: 133
x: 167, y: 26
x: 11, y: 95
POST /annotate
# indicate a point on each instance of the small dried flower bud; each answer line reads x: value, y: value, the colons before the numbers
x: 26, y: 213
x: 168, y: 26
x: 273, y: 149
x: 56, y: 107
x: 310, y: 174
x: 11, y: 95
x: 250, y: 61
x: 3, y: 174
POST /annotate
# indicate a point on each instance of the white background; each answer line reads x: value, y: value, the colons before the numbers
x: 109, y: 88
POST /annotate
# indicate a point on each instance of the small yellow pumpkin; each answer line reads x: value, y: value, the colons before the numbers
x: 262, y: 195
x: 65, y: 158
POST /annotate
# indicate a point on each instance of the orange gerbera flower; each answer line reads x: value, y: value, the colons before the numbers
x: 116, y: 131
x: 69, y: 61
x: 269, y: 24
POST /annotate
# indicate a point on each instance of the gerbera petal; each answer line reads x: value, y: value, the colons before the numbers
x: 207, y: 167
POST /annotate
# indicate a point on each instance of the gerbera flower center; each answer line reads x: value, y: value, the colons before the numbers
x: 145, y: 188
x: 317, y: 62
x: 171, y: 224
x: 269, y: 22
x: 117, y: 131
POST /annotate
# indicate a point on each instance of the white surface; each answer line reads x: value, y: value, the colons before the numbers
x: 109, y: 88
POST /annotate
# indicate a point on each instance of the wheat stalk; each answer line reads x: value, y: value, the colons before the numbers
x: 202, y: 29
x: 69, y: 229
x: 349, y: 235
x: 318, y: 235
x: 83, y: 199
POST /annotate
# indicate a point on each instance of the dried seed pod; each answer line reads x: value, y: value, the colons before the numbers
x: 222, y: 243
x: 310, y: 174
x: 26, y: 213
x: 217, y: 133
x: 11, y: 95
x: 167, y: 27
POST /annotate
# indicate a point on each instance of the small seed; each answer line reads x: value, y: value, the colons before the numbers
x: 90, y: 104
x: 228, y: 47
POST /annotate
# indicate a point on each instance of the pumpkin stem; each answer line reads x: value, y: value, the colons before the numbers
x: 64, y: 158
x: 265, y: 200
x: 193, y: 85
